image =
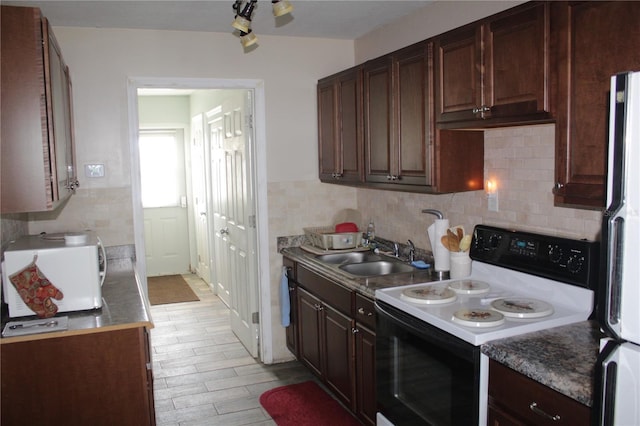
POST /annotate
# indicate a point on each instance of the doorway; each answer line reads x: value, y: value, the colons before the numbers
x: 250, y: 304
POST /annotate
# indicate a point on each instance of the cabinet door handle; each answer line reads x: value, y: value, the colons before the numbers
x: 557, y: 187
x: 480, y: 109
x: 355, y: 330
x: 534, y: 407
x: 318, y: 307
x: 362, y: 312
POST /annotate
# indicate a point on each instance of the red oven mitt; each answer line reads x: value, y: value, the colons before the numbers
x: 36, y: 290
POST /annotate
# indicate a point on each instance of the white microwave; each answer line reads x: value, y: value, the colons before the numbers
x: 75, y: 263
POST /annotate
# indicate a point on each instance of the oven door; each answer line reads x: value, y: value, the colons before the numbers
x: 424, y: 375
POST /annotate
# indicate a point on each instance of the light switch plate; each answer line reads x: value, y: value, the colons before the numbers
x: 492, y: 202
x: 94, y: 170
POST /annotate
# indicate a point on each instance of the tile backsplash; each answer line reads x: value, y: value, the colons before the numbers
x: 521, y: 161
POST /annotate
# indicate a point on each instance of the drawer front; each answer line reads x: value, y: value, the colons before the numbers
x: 531, y: 401
x: 328, y: 291
x: 365, y: 311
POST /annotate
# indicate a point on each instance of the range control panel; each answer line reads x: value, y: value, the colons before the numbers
x: 560, y: 259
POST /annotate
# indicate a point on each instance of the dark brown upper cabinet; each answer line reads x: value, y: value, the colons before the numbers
x: 591, y: 41
x: 397, y: 122
x: 340, y: 127
x: 38, y: 152
x: 495, y: 70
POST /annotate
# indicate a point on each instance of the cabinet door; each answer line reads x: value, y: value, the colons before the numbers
x: 366, y: 406
x: 338, y: 341
x: 516, y: 63
x: 458, y: 73
x: 350, y: 151
x: 96, y: 378
x: 378, y: 122
x: 412, y: 133
x: 37, y: 131
x: 593, y: 41
x: 327, y: 129
x: 60, y: 117
x: 310, y: 340
x: 340, y: 127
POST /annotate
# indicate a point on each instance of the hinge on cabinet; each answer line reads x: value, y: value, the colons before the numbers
x: 252, y: 221
x: 249, y: 120
x: 255, y: 318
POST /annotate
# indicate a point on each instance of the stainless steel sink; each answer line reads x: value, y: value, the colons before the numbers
x: 380, y: 267
x: 351, y: 257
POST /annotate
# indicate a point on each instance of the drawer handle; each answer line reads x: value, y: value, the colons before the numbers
x: 534, y: 407
x: 361, y: 311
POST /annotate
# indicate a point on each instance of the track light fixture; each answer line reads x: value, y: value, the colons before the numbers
x: 243, y: 17
x: 242, y: 22
x: 281, y: 7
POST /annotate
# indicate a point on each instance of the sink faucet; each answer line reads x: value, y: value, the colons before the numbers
x: 412, y: 250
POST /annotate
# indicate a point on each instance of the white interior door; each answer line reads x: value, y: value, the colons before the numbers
x: 200, y: 181
x: 231, y: 135
x: 163, y: 185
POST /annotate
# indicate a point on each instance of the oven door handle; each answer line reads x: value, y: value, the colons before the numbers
x: 427, y: 331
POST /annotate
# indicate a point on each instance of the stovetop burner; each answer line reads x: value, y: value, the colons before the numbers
x: 429, y: 295
x: 478, y: 318
x: 513, y: 287
x: 470, y: 287
x: 522, y: 307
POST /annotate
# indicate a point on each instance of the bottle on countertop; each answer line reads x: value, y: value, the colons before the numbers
x: 371, y: 232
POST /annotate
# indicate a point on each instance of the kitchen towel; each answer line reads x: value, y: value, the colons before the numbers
x: 285, y: 305
x: 440, y: 253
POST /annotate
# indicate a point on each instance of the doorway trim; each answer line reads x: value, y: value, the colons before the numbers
x: 265, y: 351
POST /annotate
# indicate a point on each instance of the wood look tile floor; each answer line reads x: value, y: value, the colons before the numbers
x: 202, y: 373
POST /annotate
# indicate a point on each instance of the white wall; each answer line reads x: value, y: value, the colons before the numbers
x: 434, y: 19
x: 102, y: 60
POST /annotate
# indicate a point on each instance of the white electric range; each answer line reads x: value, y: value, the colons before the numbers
x: 520, y: 282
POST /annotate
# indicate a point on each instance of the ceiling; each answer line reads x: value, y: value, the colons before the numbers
x: 310, y: 18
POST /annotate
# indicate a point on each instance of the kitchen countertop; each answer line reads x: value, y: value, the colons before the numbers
x: 562, y: 358
x: 124, y: 306
x: 364, y: 286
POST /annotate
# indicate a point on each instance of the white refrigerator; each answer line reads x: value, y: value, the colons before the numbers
x: 617, y: 379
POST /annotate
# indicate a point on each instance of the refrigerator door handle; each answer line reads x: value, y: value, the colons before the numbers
x: 605, y: 403
x: 615, y: 255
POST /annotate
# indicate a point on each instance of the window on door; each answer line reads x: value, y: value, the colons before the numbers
x: 159, y: 164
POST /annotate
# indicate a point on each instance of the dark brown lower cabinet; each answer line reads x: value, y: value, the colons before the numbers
x: 99, y: 378
x: 336, y: 340
x: 515, y: 399
x: 366, y: 406
x: 326, y: 344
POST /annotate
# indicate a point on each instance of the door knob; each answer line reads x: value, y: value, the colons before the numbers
x: 224, y: 231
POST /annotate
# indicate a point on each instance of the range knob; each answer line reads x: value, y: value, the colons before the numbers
x: 574, y: 264
x: 494, y: 241
x: 555, y: 254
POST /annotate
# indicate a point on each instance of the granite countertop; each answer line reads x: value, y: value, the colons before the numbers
x: 124, y: 306
x: 562, y: 358
x: 364, y: 286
